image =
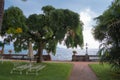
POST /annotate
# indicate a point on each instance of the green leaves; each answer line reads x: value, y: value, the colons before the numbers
x: 13, y: 19
x: 107, y: 31
x: 51, y: 46
x: 62, y: 21
x: 53, y: 26
x: 1, y: 43
x: 48, y: 29
x: 47, y: 9
x: 14, y: 25
x: 48, y: 32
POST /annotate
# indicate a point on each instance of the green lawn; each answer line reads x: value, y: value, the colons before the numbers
x: 103, y: 72
x: 52, y: 71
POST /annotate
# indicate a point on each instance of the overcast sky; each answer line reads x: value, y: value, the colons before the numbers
x: 88, y: 10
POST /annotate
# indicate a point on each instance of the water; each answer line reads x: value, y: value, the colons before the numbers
x: 66, y: 54
x: 61, y: 53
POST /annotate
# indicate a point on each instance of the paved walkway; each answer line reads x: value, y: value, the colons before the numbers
x: 81, y: 71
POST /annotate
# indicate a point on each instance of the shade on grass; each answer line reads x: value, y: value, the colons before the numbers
x: 103, y: 72
x: 52, y: 71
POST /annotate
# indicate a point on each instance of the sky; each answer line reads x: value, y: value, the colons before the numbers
x: 87, y: 9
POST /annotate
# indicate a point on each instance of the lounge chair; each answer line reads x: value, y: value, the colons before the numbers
x: 35, y: 69
x: 19, y: 68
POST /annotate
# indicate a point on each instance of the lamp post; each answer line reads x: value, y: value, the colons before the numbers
x: 86, y: 55
x: 86, y: 49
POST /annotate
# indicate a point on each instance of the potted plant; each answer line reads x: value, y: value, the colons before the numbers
x: 10, y: 51
x: 74, y: 52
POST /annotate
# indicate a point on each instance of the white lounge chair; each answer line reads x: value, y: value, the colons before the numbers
x: 19, y: 68
x: 35, y: 69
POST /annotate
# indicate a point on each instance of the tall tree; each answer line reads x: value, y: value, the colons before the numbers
x: 14, y: 26
x: 13, y: 18
x: 1, y: 12
x: 107, y: 31
x: 55, y: 25
x: 44, y: 30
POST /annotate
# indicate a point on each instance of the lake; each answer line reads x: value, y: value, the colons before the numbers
x: 61, y: 53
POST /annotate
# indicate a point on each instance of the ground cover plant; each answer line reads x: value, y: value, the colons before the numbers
x: 52, y: 71
x: 104, y: 72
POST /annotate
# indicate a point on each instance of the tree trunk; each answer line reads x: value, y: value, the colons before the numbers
x: 39, y: 54
x: 1, y: 12
x: 3, y: 49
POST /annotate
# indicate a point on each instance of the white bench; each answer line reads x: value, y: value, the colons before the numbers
x: 20, y: 68
x: 35, y: 69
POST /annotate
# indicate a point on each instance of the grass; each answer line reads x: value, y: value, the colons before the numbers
x: 52, y: 71
x: 103, y: 72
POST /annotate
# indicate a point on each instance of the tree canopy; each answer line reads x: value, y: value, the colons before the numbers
x: 13, y: 18
x: 107, y: 31
x: 2, y: 12
x: 53, y: 27
x: 45, y: 30
x: 14, y: 26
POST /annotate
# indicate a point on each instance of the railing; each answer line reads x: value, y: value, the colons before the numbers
x: 48, y: 57
x: 85, y: 57
x: 23, y: 57
x: 14, y: 56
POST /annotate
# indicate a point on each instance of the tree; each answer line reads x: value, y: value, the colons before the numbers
x: 53, y: 26
x: 13, y: 18
x: 107, y: 31
x: 44, y: 30
x: 2, y: 45
x: 1, y: 12
x: 14, y: 26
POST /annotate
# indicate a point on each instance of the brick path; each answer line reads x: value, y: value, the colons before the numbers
x: 81, y: 71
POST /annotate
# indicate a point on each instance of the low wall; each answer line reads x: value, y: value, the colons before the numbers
x: 85, y: 58
x: 23, y: 57
x: 80, y: 58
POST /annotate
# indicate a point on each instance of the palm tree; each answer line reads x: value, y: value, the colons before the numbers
x: 1, y: 12
x: 107, y: 31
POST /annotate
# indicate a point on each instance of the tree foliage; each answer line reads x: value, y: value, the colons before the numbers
x: 45, y: 30
x: 14, y: 27
x: 107, y: 31
x: 2, y: 12
x: 53, y: 26
x: 13, y: 19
